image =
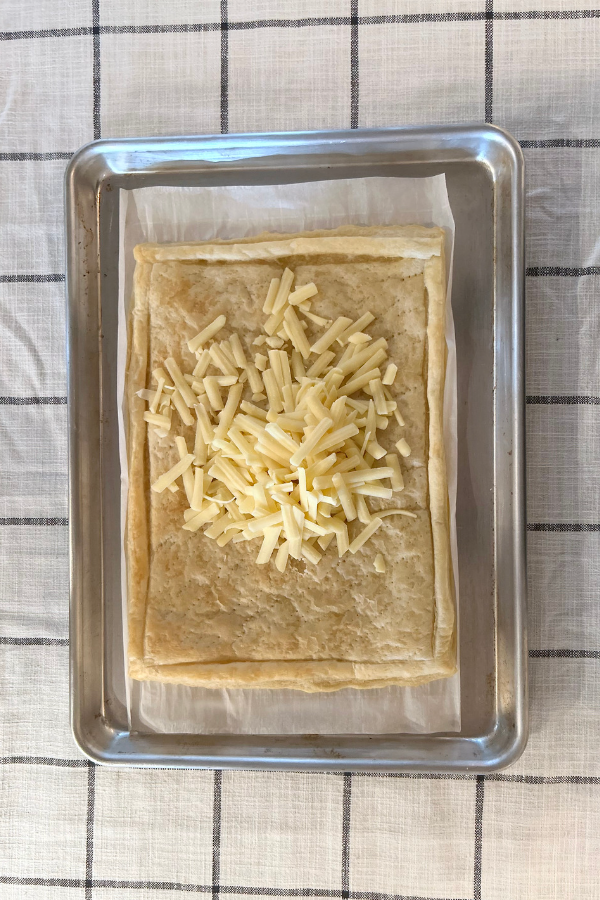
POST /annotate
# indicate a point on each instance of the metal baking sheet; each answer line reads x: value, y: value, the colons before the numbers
x: 484, y: 172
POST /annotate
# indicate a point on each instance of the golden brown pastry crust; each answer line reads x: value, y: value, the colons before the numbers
x: 154, y: 654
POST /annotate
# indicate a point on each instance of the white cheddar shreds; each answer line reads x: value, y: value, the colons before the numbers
x: 310, y: 443
x: 379, y: 563
x: 220, y: 360
x: 285, y: 285
x: 201, y: 518
x: 302, y: 293
x: 284, y: 451
x: 375, y: 449
x: 359, y: 338
x: 382, y: 513
x: 207, y: 333
x: 343, y: 544
x: 180, y: 382
x: 157, y: 394
x: 390, y: 374
x: 332, y: 333
x: 238, y: 351
x: 213, y: 393
x: 296, y: 333
x: 360, y: 381
x: 268, y: 545
x: 204, y: 423
x: 373, y: 490
x: 402, y: 447
x: 325, y: 540
x: 282, y: 556
x: 396, y: 479
x: 182, y: 408
x: 229, y: 411
x: 188, y: 476
x: 345, y: 497
x: 202, y: 365
x: 318, y: 320
x: 320, y: 364
x: 362, y: 510
x: 311, y: 553
x: 356, y: 327
x: 254, y: 379
x: 157, y: 419
x: 197, y: 493
x: 298, y: 365
x: 378, y: 397
x: 228, y: 351
x: 364, y: 536
x: 175, y: 472
x: 253, y: 410
x: 271, y: 294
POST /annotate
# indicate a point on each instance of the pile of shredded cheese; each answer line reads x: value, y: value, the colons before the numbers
x: 293, y: 471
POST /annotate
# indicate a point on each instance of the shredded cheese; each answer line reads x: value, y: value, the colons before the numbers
x: 296, y: 473
x: 379, y: 564
x: 271, y: 294
x: 207, y: 333
x: 333, y: 332
x: 301, y: 294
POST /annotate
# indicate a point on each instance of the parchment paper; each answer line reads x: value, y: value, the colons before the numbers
x: 204, y: 213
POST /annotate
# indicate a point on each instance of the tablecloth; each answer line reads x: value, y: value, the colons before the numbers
x: 74, y: 70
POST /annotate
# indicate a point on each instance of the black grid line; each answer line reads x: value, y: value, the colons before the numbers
x: 44, y: 33
x: 417, y: 776
x: 224, y: 68
x: 44, y: 761
x: 33, y: 401
x: 560, y: 400
x: 203, y: 888
x: 96, y: 69
x: 557, y: 143
x: 489, y: 61
x: 558, y: 14
x: 33, y: 641
x: 89, y: 831
x: 479, y: 796
x: 346, y: 812
x: 183, y: 28
x: 574, y: 527
x: 545, y: 779
x: 34, y: 157
x: 306, y: 22
x: 564, y: 654
x: 42, y: 882
x: 216, y: 835
x: 32, y: 279
x: 26, y: 521
x: 421, y: 18
x: 561, y: 271
x: 354, y: 65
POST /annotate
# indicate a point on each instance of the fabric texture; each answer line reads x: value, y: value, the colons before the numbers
x: 80, y: 69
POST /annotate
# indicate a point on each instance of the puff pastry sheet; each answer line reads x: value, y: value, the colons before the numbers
x: 209, y: 616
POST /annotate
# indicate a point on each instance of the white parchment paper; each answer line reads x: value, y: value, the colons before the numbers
x: 203, y: 213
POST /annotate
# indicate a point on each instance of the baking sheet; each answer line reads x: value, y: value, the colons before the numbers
x: 178, y: 214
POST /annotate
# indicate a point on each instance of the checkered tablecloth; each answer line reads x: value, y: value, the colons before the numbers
x: 72, y: 70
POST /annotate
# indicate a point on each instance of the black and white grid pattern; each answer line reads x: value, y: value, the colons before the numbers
x: 80, y: 69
